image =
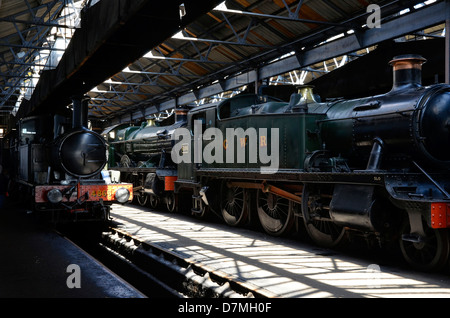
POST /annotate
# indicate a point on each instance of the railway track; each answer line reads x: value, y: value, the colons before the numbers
x: 172, y: 275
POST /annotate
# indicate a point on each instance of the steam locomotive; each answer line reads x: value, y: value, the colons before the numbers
x: 56, y: 164
x: 142, y: 156
x: 374, y: 167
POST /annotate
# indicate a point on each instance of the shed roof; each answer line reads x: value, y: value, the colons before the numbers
x: 237, y: 43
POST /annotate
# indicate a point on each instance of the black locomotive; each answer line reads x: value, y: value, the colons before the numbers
x: 56, y: 163
x: 374, y: 167
x: 142, y: 156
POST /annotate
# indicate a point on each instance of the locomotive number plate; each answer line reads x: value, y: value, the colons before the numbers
x: 99, y: 193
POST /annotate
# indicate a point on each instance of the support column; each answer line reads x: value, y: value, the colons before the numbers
x: 447, y: 43
x: 256, y: 81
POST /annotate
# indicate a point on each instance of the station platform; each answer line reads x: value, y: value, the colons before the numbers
x: 38, y: 263
x: 285, y: 267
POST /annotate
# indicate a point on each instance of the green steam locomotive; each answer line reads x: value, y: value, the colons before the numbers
x: 374, y: 167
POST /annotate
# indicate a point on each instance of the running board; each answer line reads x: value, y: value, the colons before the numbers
x: 265, y: 187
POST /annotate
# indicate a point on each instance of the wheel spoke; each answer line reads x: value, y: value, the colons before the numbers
x: 275, y: 213
x: 153, y: 201
x: 234, y: 205
x: 142, y: 198
x: 171, y: 202
x: 322, y: 231
x: 429, y: 255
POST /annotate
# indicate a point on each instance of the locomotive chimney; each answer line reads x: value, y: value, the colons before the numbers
x: 407, y: 71
x: 80, y: 111
x: 180, y: 114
